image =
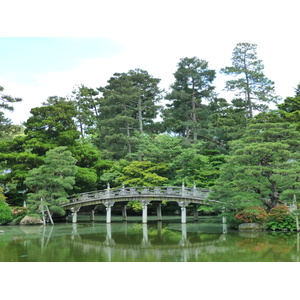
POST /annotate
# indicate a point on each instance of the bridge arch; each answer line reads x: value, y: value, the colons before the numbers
x: 182, y: 195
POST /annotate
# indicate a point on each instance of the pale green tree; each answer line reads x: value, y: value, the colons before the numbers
x: 50, y: 182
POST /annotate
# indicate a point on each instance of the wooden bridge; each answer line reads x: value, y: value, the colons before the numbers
x: 182, y: 195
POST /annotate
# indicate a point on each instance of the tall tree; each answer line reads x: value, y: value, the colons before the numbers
x: 250, y: 83
x: 86, y: 101
x: 187, y: 112
x: 128, y: 105
x: 49, y: 183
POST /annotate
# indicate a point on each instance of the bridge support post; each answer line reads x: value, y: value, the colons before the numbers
x: 159, y: 215
x: 108, y: 204
x: 144, y: 204
x: 196, y: 217
x: 74, y: 211
x: 183, y: 205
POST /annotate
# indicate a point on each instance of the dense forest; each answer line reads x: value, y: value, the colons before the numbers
x: 134, y: 133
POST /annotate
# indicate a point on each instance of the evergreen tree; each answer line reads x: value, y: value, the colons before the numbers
x: 187, y: 114
x: 87, y: 104
x: 128, y: 105
x: 263, y: 168
x: 6, y: 126
x: 250, y: 83
x: 49, y: 183
x: 51, y: 125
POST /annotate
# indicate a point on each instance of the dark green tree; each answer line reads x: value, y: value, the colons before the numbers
x: 15, y: 163
x: 263, y: 168
x: 128, y: 105
x: 51, y: 125
x: 187, y: 113
x: 249, y: 81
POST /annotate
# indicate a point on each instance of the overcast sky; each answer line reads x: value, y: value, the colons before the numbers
x: 48, y: 47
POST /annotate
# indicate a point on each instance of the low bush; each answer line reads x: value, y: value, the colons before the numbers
x: 278, y: 213
x: 252, y: 215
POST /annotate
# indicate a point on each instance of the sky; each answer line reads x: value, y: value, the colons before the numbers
x: 49, y: 47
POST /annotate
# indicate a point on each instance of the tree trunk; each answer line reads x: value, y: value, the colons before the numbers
x: 194, y: 113
x: 140, y: 115
x: 248, y: 96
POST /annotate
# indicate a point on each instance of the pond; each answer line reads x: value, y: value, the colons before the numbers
x: 168, y: 241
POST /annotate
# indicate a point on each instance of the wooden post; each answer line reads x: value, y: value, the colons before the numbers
x: 50, y: 217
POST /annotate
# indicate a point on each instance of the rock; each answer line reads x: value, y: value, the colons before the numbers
x: 250, y: 226
x: 1, y: 231
x: 31, y: 221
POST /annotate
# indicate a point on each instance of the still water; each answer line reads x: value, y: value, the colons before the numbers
x: 131, y: 241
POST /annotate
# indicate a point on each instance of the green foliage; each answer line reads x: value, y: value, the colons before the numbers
x: 6, y: 126
x: 262, y: 169
x: 288, y: 222
x: 6, y: 215
x: 135, y: 205
x: 249, y: 80
x: 51, y: 125
x: 252, y: 215
x: 128, y: 105
x: 143, y: 173
x: 186, y: 113
x: 51, y: 181
x: 278, y: 213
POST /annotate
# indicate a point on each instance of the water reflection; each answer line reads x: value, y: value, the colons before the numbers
x: 144, y: 242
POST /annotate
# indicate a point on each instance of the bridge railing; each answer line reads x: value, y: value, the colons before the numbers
x: 192, y: 192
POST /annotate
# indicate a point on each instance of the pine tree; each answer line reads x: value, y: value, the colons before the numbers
x: 49, y: 183
x: 263, y: 168
x: 250, y: 83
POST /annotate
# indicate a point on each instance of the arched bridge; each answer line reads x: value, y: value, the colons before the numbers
x: 182, y: 195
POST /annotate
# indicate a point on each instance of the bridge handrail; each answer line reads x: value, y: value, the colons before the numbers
x: 132, y: 191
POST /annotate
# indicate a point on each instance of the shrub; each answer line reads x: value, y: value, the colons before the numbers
x: 252, y: 215
x: 288, y: 222
x: 278, y: 213
x: 5, y: 213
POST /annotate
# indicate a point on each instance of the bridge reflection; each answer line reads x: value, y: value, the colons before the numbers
x: 182, y: 246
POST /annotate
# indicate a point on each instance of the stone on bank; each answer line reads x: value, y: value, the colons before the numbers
x: 27, y: 220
